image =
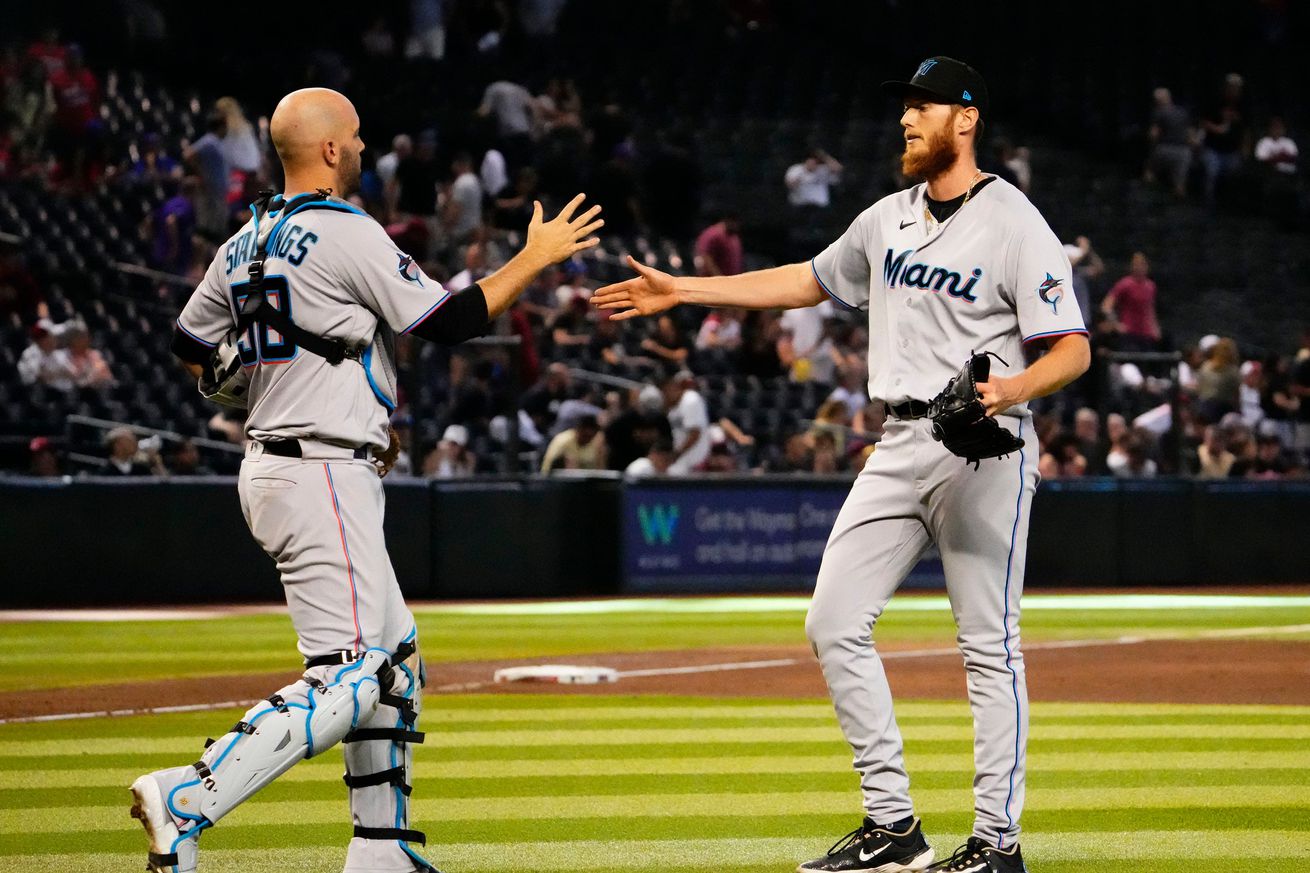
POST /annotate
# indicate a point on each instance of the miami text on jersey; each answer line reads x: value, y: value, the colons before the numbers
x: 895, y: 273
x: 242, y: 248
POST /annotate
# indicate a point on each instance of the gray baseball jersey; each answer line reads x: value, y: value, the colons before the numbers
x: 318, y: 513
x: 989, y: 278
x: 336, y: 273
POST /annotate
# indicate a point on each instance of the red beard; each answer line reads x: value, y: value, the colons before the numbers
x: 940, y: 155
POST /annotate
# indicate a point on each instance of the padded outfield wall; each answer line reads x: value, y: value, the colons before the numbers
x: 90, y: 542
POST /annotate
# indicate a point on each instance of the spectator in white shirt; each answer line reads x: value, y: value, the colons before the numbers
x: 475, y: 266
x: 463, y: 209
x: 805, y: 346
x: 1276, y: 149
x: 656, y: 462
x: 514, y: 110
x: 495, y: 178
x: 401, y: 147
x: 41, y: 362
x: 721, y: 329
x: 690, y: 419
x: 808, y: 182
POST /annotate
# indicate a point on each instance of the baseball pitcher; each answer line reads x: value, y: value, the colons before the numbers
x: 958, y: 270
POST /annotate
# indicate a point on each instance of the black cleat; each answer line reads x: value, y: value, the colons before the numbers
x: 978, y: 856
x: 875, y: 850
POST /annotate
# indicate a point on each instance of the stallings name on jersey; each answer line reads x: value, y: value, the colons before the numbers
x: 291, y: 244
x: 896, y: 273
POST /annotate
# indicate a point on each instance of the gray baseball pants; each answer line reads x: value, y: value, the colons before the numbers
x: 913, y: 492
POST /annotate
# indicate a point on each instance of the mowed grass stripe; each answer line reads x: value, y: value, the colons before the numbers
x: 244, y: 829
x: 694, y: 854
x: 698, y: 736
x: 927, y: 801
x: 533, y: 709
x: 1214, y: 745
x: 1110, y: 765
x: 327, y: 783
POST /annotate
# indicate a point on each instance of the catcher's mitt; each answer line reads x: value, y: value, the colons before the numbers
x: 383, y: 461
x: 960, y: 421
x: 223, y: 379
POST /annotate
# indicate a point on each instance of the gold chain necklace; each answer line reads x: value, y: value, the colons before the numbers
x: 927, y: 213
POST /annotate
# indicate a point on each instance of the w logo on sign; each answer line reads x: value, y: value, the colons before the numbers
x: 658, y: 523
x: 925, y: 67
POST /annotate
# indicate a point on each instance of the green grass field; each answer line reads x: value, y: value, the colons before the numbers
x: 626, y: 783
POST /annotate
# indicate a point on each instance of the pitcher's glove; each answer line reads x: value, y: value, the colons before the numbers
x: 960, y: 421
x: 386, y: 459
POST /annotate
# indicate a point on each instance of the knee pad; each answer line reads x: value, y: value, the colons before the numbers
x: 379, y: 763
x: 299, y: 721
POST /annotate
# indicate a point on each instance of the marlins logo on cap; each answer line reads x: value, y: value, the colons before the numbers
x: 944, y: 80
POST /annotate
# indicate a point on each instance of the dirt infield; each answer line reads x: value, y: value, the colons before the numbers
x: 1160, y: 671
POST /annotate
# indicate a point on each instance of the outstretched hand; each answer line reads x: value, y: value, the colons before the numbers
x: 564, y: 235
x: 648, y: 293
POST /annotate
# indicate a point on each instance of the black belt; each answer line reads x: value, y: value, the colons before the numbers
x: 291, y: 449
x: 910, y: 409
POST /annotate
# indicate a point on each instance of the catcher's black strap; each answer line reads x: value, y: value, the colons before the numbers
x: 256, y: 307
x: 401, y: 834
x: 345, y: 656
x: 395, y: 776
x: 332, y: 660
x: 156, y: 861
x: 395, y: 735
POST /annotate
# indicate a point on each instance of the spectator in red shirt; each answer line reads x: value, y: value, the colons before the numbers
x: 49, y: 51
x: 718, y: 248
x: 1131, y: 303
x: 77, y: 94
x: 77, y: 111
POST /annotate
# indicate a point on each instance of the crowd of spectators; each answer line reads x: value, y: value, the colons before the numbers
x: 461, y: 204
x: 1227, y: 151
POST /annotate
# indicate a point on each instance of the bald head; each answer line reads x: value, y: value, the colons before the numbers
x: 316, y: 134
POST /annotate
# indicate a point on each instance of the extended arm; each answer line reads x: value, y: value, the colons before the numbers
x: 469, y: 310
x: 789, y: 287
x: 548, y: 243
x: 1068, y: 358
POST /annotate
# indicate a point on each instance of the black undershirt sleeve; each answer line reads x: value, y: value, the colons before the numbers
x: 460, y: 318
x: 188, y: 349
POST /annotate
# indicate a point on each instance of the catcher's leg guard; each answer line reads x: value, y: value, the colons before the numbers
x: 299, y: 721
x: 379, y: 759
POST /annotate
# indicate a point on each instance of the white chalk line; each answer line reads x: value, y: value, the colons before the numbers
x: 464, y: 687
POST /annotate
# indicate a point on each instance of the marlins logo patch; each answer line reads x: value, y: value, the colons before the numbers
x: 1050, y: 292
x: 408, y: 270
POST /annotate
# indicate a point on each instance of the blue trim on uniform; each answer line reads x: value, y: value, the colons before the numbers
x: 312, y: 204
x: 366, y: 360
x: 193, y: 833
x: 1014, y: 677
x: 401, y: 800
x: 1054, y: 333
x: 309, y: 715
x: 826, y: 290
x: 424, y: 317
x: 194, y: 337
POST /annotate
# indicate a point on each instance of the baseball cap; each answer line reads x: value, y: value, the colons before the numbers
x: 947, y: 80
x: 457, y: 434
